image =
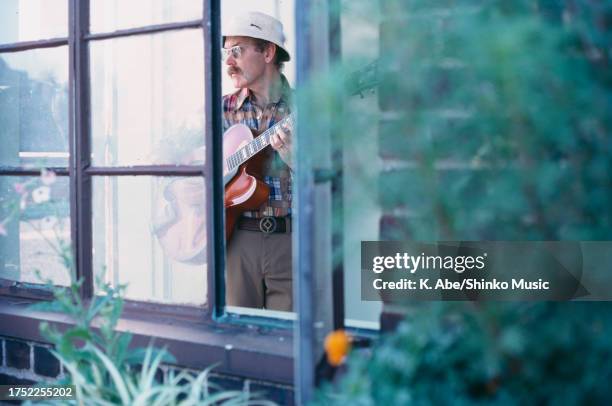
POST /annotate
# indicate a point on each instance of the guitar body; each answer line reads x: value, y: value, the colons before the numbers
x: 179, y: 221
x: 244, y: 188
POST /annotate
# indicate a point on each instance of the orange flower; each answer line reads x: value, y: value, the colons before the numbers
x: 337, y: 345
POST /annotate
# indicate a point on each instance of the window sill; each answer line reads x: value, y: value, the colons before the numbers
x: 243, y: 350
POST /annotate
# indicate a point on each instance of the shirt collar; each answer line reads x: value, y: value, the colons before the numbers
x: 245, y: 93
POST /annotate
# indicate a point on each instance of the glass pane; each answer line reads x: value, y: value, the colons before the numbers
x: 111, y: 15
x: 34, y: 107
x: 35, y: 229
x: 150, y: 233
x: 148, y: 99
x: 30, y: 20
x: 360, y: 38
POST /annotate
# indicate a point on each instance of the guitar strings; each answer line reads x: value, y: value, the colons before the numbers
x: 236, y: 159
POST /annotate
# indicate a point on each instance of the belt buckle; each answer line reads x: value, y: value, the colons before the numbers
x: 267, y: 225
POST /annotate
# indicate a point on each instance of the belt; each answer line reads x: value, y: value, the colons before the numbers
x: 266, y: 225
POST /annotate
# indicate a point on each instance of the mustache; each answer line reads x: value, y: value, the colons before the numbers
x: 231, y: 70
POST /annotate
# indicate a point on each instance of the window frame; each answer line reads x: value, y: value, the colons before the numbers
x: 196, y: 335
x: 80, y: 170
x: 80, y: 137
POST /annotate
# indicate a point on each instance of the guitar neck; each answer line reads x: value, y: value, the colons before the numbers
x: 256, y: 145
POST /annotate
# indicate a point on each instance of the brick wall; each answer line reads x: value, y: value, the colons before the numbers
x: 28, y: 363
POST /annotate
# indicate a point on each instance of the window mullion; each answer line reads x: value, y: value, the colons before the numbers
x: 149, y: 29
x: 80, y: 148
x: 335, y: 53
x: 150, y: 170
x: 25, y: 171
x: 211, y: 27
x: 29, y: 45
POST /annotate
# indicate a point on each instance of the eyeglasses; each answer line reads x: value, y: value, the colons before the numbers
x: 235, y: 51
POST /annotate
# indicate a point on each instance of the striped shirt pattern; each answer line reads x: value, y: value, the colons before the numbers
x: 239, y: 108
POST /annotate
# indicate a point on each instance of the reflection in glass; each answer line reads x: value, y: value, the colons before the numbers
x: 31, y: 20
x: 35, y: 229
x: 111, y: 15
x: 148, y: 99
x: 150, y: 233
x: 34, y: 108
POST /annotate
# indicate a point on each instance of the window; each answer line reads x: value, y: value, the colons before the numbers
x: 284, y: 10
x: 117, y: 154
x: 34, y: 134
x: 360, y: 209
x: 134, y: 136
x: 141, y: 115
x: 109, y: 108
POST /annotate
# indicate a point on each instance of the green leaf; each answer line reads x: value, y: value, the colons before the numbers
x: 117, y: 378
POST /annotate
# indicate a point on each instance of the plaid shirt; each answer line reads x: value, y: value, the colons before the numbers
x: 239, y: 107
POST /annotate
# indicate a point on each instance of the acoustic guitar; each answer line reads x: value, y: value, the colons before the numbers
x: 244, y: 155
x: 180, y: 216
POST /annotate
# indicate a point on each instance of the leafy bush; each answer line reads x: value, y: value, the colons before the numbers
x: 497, y: 354
x: 499, y: 116
x: 500, y: 111
x: 105, y: 371
x: 96, y: 357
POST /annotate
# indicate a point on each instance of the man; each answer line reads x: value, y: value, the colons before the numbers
x: 259, y: 253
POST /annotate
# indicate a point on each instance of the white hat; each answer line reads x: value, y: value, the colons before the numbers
x: 257, y: 25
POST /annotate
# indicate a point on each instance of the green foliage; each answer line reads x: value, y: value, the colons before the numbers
x: 495, y: 354
x: 501, y: 110
x: 499, y: 113
x: 97, y: 358
x: 535, y: 139
x: 79, y: 342
x: 105, y: 371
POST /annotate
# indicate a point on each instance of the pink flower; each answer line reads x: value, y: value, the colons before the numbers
x: 47, y: 177
x: 3, y: 230
x: 20, y: 188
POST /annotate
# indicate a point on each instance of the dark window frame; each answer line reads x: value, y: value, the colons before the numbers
x: 195, y: 335
x: 80, y: 170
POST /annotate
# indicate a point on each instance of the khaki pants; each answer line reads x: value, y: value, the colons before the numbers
x: 258, y: 272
